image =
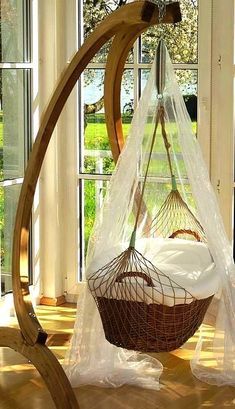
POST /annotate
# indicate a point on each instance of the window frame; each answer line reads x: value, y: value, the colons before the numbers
x: 27, y: 68
x: 203, y: 70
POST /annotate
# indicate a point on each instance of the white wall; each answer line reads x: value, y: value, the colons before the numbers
x: 222, y: 103
x: 55, y: 215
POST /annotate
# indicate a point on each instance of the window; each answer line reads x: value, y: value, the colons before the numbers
x: 96, y: 163
x: 15, y: 119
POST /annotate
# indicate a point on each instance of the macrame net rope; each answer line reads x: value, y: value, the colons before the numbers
x: 174, y: 217
x: 131, y: 295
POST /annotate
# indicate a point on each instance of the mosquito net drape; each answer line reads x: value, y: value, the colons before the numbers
x: 90, y: 358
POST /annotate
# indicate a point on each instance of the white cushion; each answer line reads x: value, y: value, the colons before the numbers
x: 188, y: 263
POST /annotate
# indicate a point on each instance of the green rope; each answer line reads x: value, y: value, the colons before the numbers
x: 133, y: 236
x: 160, y: 116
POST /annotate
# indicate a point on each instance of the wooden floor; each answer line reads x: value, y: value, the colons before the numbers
x: 22, y: 388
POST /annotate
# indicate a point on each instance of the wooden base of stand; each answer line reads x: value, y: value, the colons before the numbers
x: 46, y: 364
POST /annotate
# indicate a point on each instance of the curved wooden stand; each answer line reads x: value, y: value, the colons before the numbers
x: 125, y: 24
x: 46, y: 364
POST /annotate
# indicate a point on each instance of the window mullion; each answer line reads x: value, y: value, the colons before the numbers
x: 136, y: 73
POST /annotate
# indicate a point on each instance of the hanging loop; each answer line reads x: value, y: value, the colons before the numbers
x: 160, y: 68
x: 162, y: 10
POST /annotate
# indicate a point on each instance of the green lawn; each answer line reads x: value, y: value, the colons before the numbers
x: 96, y: 135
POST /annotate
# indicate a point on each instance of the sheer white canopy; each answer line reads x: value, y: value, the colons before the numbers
x: 90, y: 358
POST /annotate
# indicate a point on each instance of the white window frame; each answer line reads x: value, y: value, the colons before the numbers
x: 55, y: 256
x: 27, y: 66
x: 203, y: 67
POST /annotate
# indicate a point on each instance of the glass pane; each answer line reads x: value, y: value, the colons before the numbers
x: 130, y: 57
x: 97, y: 153
x: 144, y: 74
x: 93, y: 14
x: 127, y: 100
x: 12, y: 31
x: 95, y: 11
x: 181, y: 39
x: 101, y: 56
x: 94, y: 192
x: 12, y: 122
x: 8, y: 204
x: 187, y: 80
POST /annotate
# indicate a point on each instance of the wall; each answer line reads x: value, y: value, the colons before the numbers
x: 55, y: 213
x: 222, y: 103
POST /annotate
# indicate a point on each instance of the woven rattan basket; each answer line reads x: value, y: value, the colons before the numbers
x: 139, y: 323
x: 150, y: 328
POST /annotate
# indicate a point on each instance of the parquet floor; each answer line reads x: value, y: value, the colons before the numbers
x: 22, y: 388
